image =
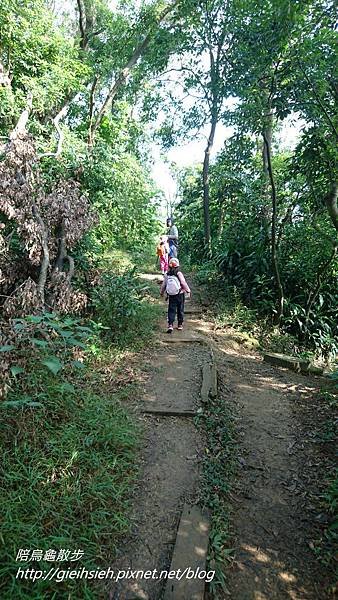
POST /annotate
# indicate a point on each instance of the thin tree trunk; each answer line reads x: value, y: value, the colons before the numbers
x: 265, y: 215
x: 21, y: 125
x: 287, y: 218
x: 56, y: 121
x: 119, y: 82
x: 91, y: 108
x: 45, y: 257
x: 274, y: 256
x: 221, y: 221
x: 62, y: 254
x: 4, y: 77
x: 332, y: 206
x: 206, y: 190
x: 122, y: 77
x: 71, y: 268
x: 86, y: 21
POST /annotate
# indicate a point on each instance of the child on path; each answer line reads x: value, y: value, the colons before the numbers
x: 163, y: 255
x: 175, y: 285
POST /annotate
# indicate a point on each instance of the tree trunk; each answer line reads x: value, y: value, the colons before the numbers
x: 91, y: 109
x: 265, y: 213
x: 274, y: 256
x: 86, y: 21
x: 71, y: 269
x: 45, y: 254
x: 62, y: 254
x: 21, y: 125
x: 221, y: 221
x: 332, y: 206
x: 122, y: 77
x: 56, y: 121
x: 206, y: 192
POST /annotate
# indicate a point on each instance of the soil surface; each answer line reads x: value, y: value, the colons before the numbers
x: 170, y: 466
x: 272, y: 516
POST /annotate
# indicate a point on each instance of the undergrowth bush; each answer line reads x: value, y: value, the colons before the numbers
x: 122, y: 307
x: 43, y: 342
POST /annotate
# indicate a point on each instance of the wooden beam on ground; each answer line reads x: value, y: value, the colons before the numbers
x: 209, y: 380
x: 170, y: 412
x: 192, y: 311
x: 291, y: 362
x: 180, y: 339
x: 206, y: 382
x: 213, y: 388
x: 281, y: 360
x: 190, y: 554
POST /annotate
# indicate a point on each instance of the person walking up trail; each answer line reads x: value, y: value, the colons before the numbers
x: 175, y: 286
x: 163, y: 255
x: 172, y: 238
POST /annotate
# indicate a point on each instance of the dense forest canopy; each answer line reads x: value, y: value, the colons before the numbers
x: 81, y: 96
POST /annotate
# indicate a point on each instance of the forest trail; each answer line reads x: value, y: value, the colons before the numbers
x: 271, y: 519
x: 170, y: 461
x: 272, y: 513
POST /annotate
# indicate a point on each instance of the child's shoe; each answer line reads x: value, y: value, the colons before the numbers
x: 180, y: 327
x: 170, y: 329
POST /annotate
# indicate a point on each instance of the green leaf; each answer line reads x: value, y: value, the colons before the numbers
x: 34, y: 319
x: 16, y: 370
x: 40, y: 343
x: 6, y: 348
x: 53, y: 364
x: 74, y: 342
x: 78, y: 364
x: 67, y: 387
x: 66, y: 334
x: 20, y: 404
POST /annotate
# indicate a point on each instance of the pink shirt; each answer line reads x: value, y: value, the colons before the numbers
x: 184, y: 285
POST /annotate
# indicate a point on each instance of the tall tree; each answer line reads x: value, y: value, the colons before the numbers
x: 265, y: 36
x: 199, y: 88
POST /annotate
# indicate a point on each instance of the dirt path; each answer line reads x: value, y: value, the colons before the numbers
x: 170, y: 465
x: 271, y: 519
x: 273, y: 515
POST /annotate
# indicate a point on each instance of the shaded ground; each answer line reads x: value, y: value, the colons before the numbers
x: 274, y: 516
x: 170, y: 468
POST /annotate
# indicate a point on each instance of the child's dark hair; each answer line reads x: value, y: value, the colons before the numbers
x: 173, y: 271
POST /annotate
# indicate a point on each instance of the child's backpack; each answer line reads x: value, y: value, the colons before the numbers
x: 173, y: 285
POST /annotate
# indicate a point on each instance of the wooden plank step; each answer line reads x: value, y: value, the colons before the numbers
x: 190, y: 553
x: 180, y: 339
x: 170, y: 412
x: 192, y: 311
